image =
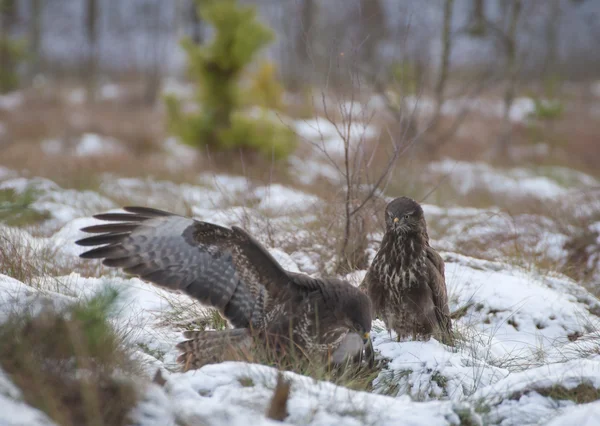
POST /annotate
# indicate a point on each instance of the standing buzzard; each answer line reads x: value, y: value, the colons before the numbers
x: 231, y: 271
x: 406, y: 281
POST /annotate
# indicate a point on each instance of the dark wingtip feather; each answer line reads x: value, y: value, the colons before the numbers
x: 121, y: 217
x: 98, y: 240
x: 147, y: 211
x: 100, y: 252
x: 110, y: 228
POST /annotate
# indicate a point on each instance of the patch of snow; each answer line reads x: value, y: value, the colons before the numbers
x: 76, y: 96
x: 110, y: 91
x: 11, y: 100
x: 527, y: 315
x: 466, y: 177
x: 530, y: 409
x: 430, y: 370
x: 16, y: 297
x: 214, y: 395
x: 308, y: 170
x: 494, y: 234
x: 226, y: 183
x: 514, y: 400
x: 281, y: 199
x: 63, y: 205
x: 305, y: 262
x: 329, y: 138
x: 179, y: 154
x: 172, y: 86
x: 315, y: 129
x: 284, y: 260
x: 161, y: 194
x: 521, y: 109
x: 6, y: 173
x: 92, y: 144
x: 21, y: 184
x: 363, y: 111
x: 568, y: 374
x: 580, y: 415
x: 137, y: 311
x: 52, y: 146
x: 418, y: 105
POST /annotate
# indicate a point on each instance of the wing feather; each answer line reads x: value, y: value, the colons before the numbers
x: 225, y: 268
x: 437, y: 283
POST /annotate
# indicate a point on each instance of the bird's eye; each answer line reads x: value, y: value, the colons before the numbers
x: 406, y: 216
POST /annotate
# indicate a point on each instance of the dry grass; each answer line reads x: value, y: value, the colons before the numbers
x: 278, y: 407
x: 583, y: 393
x: 34, y: 263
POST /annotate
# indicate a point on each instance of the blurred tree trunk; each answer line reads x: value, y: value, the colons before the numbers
x: 301, y: 57
x: 8, y: 16
x: 91, y: 20
x: 35, y: 37
x: 477, y: 22
x: 372, y: 29
x: 197, y: 33
x: 445, y: 60
x: 8, y: 53
x: 552, y: 27
x: 511, y: 72
x: 154, y: 71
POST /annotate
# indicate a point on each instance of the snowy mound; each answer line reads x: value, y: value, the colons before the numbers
x: 526, y: 343
x: 238, y: 393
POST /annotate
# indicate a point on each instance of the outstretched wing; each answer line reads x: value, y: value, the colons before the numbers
x: 437, y: 283
x: 221, y: 267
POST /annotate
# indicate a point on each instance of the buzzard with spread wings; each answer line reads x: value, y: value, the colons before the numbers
x: 406, y: 281
x: 226, y: 268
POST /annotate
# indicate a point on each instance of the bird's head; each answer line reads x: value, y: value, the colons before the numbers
x: 404, y: 215
x: 357, y: 310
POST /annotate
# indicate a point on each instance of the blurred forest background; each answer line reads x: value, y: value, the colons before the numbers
x: 493, y: 80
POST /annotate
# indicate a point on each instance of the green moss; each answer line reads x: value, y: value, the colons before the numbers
x: 12, y: 53
x: 548, y: 110
x: 16, y: 210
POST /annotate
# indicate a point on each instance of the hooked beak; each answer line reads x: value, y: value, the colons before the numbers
x: 366, y: 337
x: 396, y: 220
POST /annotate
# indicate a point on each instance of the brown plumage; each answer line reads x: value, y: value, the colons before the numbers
x: 406, y: 280
x: 232, y: 272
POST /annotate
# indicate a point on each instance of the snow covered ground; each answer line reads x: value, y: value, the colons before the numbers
x: 524, y: 333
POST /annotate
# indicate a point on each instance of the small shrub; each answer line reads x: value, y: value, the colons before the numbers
x: 220, y: 122
x: 65, y: 363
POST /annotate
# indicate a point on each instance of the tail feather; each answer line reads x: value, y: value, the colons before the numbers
x: 208, y: 347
